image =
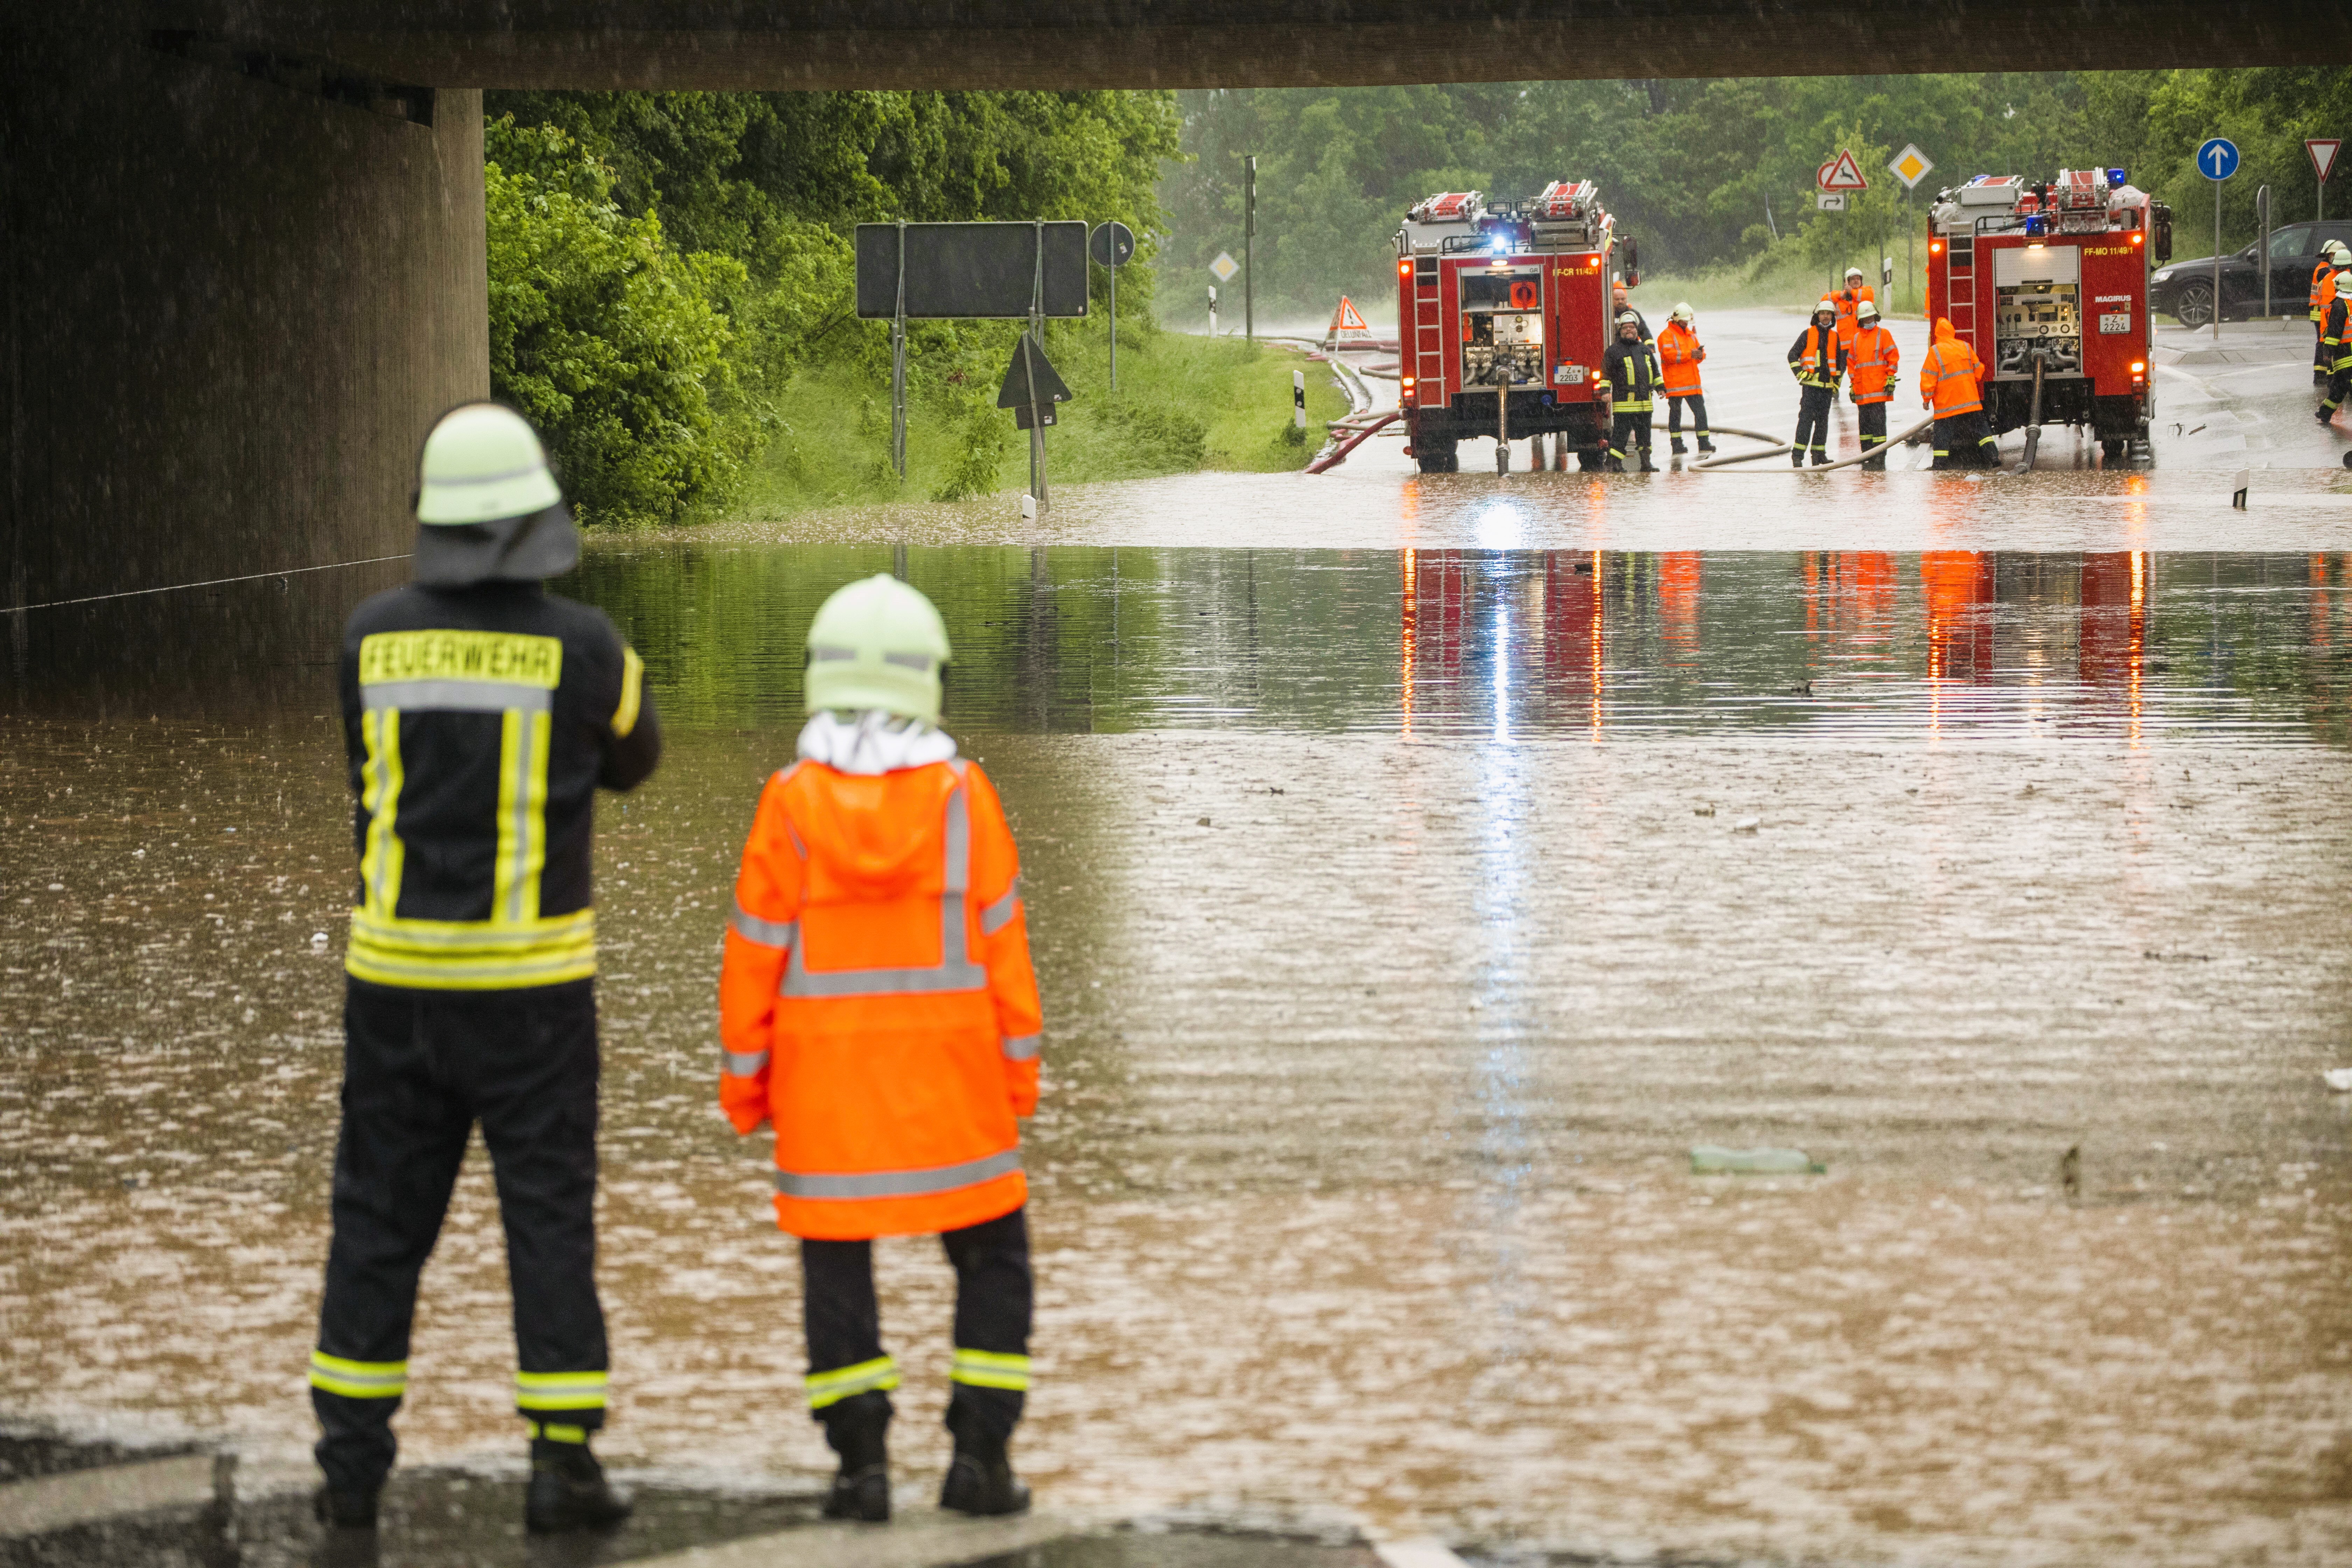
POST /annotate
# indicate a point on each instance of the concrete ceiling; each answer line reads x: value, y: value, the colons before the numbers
x: 834, y: 43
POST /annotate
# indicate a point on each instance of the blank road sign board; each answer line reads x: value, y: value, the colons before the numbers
x: 970, y: 269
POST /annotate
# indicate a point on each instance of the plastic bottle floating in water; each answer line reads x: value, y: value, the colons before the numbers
x: 1706, y: 1160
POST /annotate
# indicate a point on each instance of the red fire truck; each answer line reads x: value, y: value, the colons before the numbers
x: 2049, y: 284
x: 1501, y: 322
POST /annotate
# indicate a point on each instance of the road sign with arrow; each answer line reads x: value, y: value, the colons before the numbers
x: 1031, y: 387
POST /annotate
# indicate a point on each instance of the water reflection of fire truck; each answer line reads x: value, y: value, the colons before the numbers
x: 1501, y: 322
x: 2049, y: 284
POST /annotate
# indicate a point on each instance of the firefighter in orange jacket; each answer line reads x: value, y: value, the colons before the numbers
x: 1947, y: 385
x: 1679, y: 355
x: 2335, y: 256
x: 1851, y: 298
x: 1818, y: 362
x: 877, y: 1006
x: 1871, y: 360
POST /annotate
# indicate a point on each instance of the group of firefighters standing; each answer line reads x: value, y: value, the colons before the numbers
x: 1846, y: 342
x: 877, y: 1006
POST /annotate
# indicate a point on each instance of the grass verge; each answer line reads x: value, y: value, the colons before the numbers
x: 1183, y: 404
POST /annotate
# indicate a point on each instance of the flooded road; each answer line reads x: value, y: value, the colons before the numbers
x: 1403, y: 917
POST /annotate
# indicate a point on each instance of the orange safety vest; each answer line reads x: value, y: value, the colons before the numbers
x: 2327, y: 290
x: 1871, y: 362
x: 1948, y: 377
x: 1848, y: 303
x: 2323, y: 287
x: 876, y: 1002
x: 1678, y: 357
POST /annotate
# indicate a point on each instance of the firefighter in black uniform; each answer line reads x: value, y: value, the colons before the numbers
x: 1818, y: 362
x: 481, y: 713
x: 1633, y: 374
x: 2336, y: 349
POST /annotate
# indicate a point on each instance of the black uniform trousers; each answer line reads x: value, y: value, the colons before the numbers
x: 1965, y: 441
x: 993, y: 1292
x: 420, y: 1067
x: 1697, y: 402
x: 1872, y: 418
x: 1813, y: 422
x: 1629, y: 435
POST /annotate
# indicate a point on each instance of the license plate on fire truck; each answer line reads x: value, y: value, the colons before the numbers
x: 2114, y: 320
x: 1567, y: 375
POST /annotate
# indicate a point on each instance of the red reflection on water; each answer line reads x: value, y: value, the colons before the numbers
x: 2111, y: 648
x: 1959, y: 591
x: 1678, y: 580
x: 1573, y: 627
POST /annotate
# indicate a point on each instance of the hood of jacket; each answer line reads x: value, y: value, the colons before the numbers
x: 1944, y: 332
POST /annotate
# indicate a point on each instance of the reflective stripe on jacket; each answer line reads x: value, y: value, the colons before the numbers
x: 1678, y: 357
x: 478, y: 723
x: 1633, y: 374
x: 877, y: 1002
x: 1871, y: 361
x: 1817, y: 357
x: 1948, y: 376
x: 1849, y: 303
x: 2336, y: 337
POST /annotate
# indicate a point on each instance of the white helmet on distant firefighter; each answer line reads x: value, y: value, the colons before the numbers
x: 876, y: 643
x: 1627, y: 319
x: 2338, y: 252
x: 1681, y: 312
x: 486, y: 503
x: 1866, y: 311
x: 1828, y: 307
x: 1854, y: 274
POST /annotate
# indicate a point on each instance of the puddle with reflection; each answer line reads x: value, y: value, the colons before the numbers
x: 1382, y: 1007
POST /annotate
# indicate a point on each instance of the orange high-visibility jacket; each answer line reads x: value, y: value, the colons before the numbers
x: 2323, y: 287
x: 1871, y: 362
x: 1849, y: 303
x: 1948, y: 376
x: 877, y: 1003
x: 1678, y: 357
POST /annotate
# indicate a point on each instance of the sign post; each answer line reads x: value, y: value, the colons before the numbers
x: 1110, y: 244
x: 2322, y: 150
x: 1249, y: 233
x: 1910, y: 166
x: 2216, y: 160
x: 2263, y: 246
x: 898, y: 365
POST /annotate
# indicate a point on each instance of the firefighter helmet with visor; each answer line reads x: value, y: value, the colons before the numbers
x: 876, y: 643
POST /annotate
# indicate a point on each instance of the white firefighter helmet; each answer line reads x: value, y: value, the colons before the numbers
x: 1853, y: 272
x: 1681, y: 312
x: 1627, y: 319
x: 1866, y: 311
x: 876, y: 643
x: 1827, y: 306
x: 2339, y: 253
x: 482, y: 462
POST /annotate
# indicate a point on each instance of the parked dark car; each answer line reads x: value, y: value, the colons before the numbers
x: 2184, y: 290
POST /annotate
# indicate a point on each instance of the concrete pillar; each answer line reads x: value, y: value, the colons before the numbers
x: 234, y: 303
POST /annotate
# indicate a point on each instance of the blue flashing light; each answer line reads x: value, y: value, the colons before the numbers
x: 2115, y: 178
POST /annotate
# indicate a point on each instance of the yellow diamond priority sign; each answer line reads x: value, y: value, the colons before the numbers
x: 1910, y: 166
x: 1224, y: 267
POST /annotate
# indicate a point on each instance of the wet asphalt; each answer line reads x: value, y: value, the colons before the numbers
x: 1419, y: 866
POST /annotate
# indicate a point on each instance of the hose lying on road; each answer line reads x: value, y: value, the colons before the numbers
x: 1357, y: 437
x: 1878, y: 451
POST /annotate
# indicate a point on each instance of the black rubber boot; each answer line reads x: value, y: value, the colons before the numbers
x: 2323, y: 414
x: 1614, y: 465
x: 1821, y: 459
x: 1705, y: 448
x: 1674, y: 446
x: 1648, y: 467
x: 861, y: 1487
x: 979, y: 1477
x: 339, y: 1509
x: 567, y: 1490
x: 1797, y: 457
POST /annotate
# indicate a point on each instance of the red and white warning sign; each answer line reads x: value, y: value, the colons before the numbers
x: 2322, y: 150
x: 1346, y: 323
x: 1841, y: 173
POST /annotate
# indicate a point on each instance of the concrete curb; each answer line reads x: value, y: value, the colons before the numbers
x: 57, y: 1502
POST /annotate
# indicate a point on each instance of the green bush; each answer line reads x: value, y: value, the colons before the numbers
x: 608, y: 338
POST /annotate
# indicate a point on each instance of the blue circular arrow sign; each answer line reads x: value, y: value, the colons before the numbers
x: 2218, y: 158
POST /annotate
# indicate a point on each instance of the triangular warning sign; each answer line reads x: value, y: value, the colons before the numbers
x: 2322, y: 150
x: 1015, y: 392
x: 1841, y: 174
x: 1346, y: 323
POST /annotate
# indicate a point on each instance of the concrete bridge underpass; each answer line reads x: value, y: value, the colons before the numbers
x: 243, y: 239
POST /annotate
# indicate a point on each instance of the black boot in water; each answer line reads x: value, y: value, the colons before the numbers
x: 861, y: 1487
x: 567, y: 1490
x: 979, y: 1477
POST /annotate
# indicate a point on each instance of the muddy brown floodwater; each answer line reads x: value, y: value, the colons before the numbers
x: 1404, y: 917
